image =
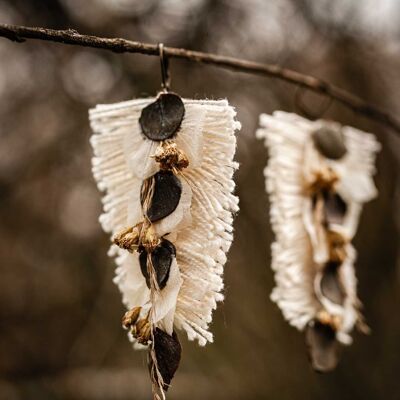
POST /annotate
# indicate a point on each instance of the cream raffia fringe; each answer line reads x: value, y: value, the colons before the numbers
x: 297, y: 253
x: 200, y: 227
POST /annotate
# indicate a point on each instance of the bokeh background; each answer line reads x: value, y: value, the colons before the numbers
x: 60, y: 314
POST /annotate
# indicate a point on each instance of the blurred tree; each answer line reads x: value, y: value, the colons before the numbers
x: 60, y: 335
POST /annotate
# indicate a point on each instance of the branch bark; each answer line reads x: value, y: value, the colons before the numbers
x: 21, y: 33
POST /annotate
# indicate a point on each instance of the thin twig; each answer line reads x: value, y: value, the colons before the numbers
x: 20, y: 33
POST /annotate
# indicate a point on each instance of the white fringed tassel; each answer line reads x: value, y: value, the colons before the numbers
x: 201, y: 226
x: 298, y: 251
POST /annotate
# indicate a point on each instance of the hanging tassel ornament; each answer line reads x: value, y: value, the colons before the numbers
x: 166, y: 165
x: 318, y: 176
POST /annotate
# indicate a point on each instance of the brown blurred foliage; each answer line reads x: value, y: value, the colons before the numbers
x: 60, y: 330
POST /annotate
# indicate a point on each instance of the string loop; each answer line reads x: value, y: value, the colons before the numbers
x: 305, y: 110
x: 164, y: 63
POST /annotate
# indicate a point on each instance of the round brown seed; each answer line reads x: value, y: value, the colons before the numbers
x: 161, y: 119
x: 161, y: 258
x: 330, y: 142
x: 323, y: 348
x: 166, y: 195
x: 168, y: 355
x: 331, y: 287
x: 335, y: 208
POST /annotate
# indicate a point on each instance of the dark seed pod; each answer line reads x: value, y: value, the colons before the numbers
x: 335, y: 208
x: 161, y: 258
x: 166, y: 195
x: 162, y: 119
x: 331, y: 287
x: 323, y: 348
x: 330, y: 142
x: 168, y: 355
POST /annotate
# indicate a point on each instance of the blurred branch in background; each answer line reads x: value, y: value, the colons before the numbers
x: 60, y: 313
x: 118, y: 45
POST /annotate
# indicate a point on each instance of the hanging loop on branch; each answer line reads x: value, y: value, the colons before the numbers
x: 164, y: 63
x: 305, y: 110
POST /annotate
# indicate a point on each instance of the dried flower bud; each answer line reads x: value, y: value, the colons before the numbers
x: 143, y: 336
x: 149, y: 238
x: 170, y: 157
x: 128, y: 238
x: 334, y: 321
x: 337, y: 246
x: 142, y: 331
x: 325, y: 179
x: 130, y: 317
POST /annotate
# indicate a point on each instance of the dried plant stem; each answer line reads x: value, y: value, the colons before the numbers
x: 20, y: 33
x: 157, y: 382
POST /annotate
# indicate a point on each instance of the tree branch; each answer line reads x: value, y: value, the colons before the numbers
x: 20, y: 33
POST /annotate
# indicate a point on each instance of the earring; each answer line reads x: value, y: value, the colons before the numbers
x: 318, y: 176
x: 166, y: 165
